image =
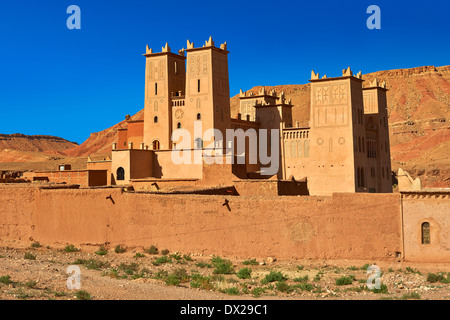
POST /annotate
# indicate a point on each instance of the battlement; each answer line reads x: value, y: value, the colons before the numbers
x: 264, y: 93
x: 208, y: 44
x: 345, y: 74
x: 375, y: 83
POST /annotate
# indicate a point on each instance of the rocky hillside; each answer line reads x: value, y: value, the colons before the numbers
x: 37, y: 143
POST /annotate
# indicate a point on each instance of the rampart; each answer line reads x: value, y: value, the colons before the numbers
x: 344, y: 226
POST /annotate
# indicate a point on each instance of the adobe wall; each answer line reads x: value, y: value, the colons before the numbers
x: 345, y: 226
x: 67, y: 176
x: 431, y: 207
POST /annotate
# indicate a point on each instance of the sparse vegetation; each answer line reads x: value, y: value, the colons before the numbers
x: 92, y: 264
x: 83, y: 295
x: 151, y: 250
x: 233, y: 291
x: 203, y: 265
x: 165, y: 252
x: 411, y: 296
x: 252, y: 262
x: 244, y: 273
x: 119, y: 249
x: 222, y: 266
x: 273, y: 276
x: 5, y: 279
x: 71, y: 248
x: 35, y: 245
x: 439, y: 277
x: 29, y: 256
x: 161, y: 260
x: 139, y: 255
x: 345, y: 280
x: 102, y: 251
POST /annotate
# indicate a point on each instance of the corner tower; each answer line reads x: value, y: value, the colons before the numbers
x: 377, y: 130
x: 337, y: 134
x: 164, y: 81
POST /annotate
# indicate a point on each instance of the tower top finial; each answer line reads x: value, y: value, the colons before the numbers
x: 314, y: 76
x: 190, y: 45
x: 347, y: 72
x: 166, y: 48
x: 210, y: 42
x: 148, y: 50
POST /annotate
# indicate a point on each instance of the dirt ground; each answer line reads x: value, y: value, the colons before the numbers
x: 38, y: 272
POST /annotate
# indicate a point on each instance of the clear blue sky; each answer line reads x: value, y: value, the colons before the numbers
x: 69, y: 83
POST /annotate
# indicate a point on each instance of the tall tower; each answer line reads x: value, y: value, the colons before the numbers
x: 378, y: 145
x: 164, y: 81
x: 337, y: 151
x: 207, y: 95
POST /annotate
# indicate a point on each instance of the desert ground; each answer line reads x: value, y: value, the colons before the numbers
x: 36, y: 271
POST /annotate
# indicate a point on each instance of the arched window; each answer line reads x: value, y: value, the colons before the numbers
x: 199, y: 116
x: 306, y: 149
x: 120, y: 174
x: 198, y: 143
x: 299, y: 148
x: 363, y: 183
x: 425, y: 233
x: 358, y: 178
x: 179, y: 125
x: 293, y: 149
x: 155, y: 119
x: 155, y: 145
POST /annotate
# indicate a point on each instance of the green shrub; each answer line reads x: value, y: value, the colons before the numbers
x: 257, y: 292
x: 411, y: 270
x: 203, y: 265
x: 92, y: 264
x: 352, y: 268
x: 233, y: 291
x: 175, y: 256
x: 129, y: 268
x: 411, y: 296
x: 304, y: 286
x: 83, y: 295
x: 284, y: 287
x: 151, y: 250
x: 273, y: 276
x: 119, y: 249
x: 187, y: 257
x: 383, y: 289
x: 172, y: 280
x: 36, y: 245
x: 139, y: 255
x: 102, y: 251
x: 301, y: 279
x: 252, y: 262
x: 199, y: 281
x: 342, y: 281
x: 161, y: 260
x: 222, y: 266
x: 5, y: 279
x: 71, y: 248
x: 244, y: 273
x: 165, y: 252
x: 432, y: 278
x: 30, y: 256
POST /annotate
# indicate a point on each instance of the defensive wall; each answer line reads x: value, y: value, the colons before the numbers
x: 343, y: 226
